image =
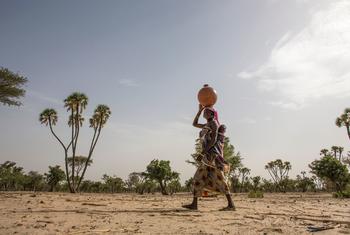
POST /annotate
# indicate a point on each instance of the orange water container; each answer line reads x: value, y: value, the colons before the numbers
x: 207, y: 96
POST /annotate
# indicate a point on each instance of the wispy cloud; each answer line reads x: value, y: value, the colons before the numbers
x: 128, y: 83
x: 311, y: 64
x: 43, y: 97
x: 162, y: 132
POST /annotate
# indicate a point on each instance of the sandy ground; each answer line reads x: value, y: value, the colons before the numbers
x: 63, y: 213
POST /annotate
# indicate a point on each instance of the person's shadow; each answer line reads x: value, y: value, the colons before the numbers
x: 172, y: 211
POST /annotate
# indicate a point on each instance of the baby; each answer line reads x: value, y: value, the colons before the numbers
x: 220, y: 162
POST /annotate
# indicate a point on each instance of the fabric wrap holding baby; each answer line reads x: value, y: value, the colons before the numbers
x: 214, y: 154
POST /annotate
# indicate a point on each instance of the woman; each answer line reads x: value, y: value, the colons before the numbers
x: 208, y: 176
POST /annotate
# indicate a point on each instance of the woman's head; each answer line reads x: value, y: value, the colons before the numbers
x: 209, y: 113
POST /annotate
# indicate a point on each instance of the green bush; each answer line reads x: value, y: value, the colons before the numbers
x: 330, y: 168
x: 255, y: 194
x: 343, y: 194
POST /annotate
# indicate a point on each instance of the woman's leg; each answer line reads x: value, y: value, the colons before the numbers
x: 230, y: 202
x: 221, y: 186
x: 193, y: 205
x: 199, y: 179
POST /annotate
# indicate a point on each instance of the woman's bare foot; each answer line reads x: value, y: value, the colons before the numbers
x: 190, y: 207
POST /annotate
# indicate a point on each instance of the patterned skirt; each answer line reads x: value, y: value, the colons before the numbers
x: 209, y: 178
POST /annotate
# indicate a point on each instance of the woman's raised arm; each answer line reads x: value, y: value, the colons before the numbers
x: 195, y: 121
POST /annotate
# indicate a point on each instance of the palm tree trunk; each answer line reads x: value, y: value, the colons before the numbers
x: 73, y: 147
x: 54, y: 134
x: 65, y: 156
x: 71, y: 189
x: 92, y: 147
x: 75, y: 141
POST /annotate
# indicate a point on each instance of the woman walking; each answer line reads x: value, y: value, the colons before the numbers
x: 208, y: 175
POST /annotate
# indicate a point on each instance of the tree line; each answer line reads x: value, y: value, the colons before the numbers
x: 158, y: 177
x: 328, y: 174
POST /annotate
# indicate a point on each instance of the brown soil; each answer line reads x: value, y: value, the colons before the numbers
x: 64, y: 213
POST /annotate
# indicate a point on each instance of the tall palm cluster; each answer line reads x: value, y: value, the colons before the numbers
x: 344, y: 121
x: 75, y: 105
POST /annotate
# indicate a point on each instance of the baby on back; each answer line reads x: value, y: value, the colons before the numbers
x: 220, y: 162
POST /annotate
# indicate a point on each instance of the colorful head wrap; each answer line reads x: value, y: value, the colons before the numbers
x: 216, y: 116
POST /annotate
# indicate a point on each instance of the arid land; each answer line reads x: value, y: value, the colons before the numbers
x: 64, y: 213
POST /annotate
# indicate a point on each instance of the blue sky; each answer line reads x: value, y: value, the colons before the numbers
x: 280, y: 69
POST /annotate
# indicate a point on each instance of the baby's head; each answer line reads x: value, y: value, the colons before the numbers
x: 222, y: 129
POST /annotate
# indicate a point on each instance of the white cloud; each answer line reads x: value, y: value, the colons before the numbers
x: 245, y: 75
x: 128, y: 83
x: 311, y: 64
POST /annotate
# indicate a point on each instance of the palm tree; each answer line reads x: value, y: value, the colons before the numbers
x: 346, y: 160
x: 97, y: 122
x: 75, y: 103
x: 344, y: 120
x: 335, y: 151
x: 278, y: 171
x: 100, y: 117
x: 50, y: 117
x: 324, y: 152
x: 340, y: 151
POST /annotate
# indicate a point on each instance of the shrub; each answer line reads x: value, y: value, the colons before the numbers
x: 330, y: 168
x: 255, y: 194
x: 343, y: 194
